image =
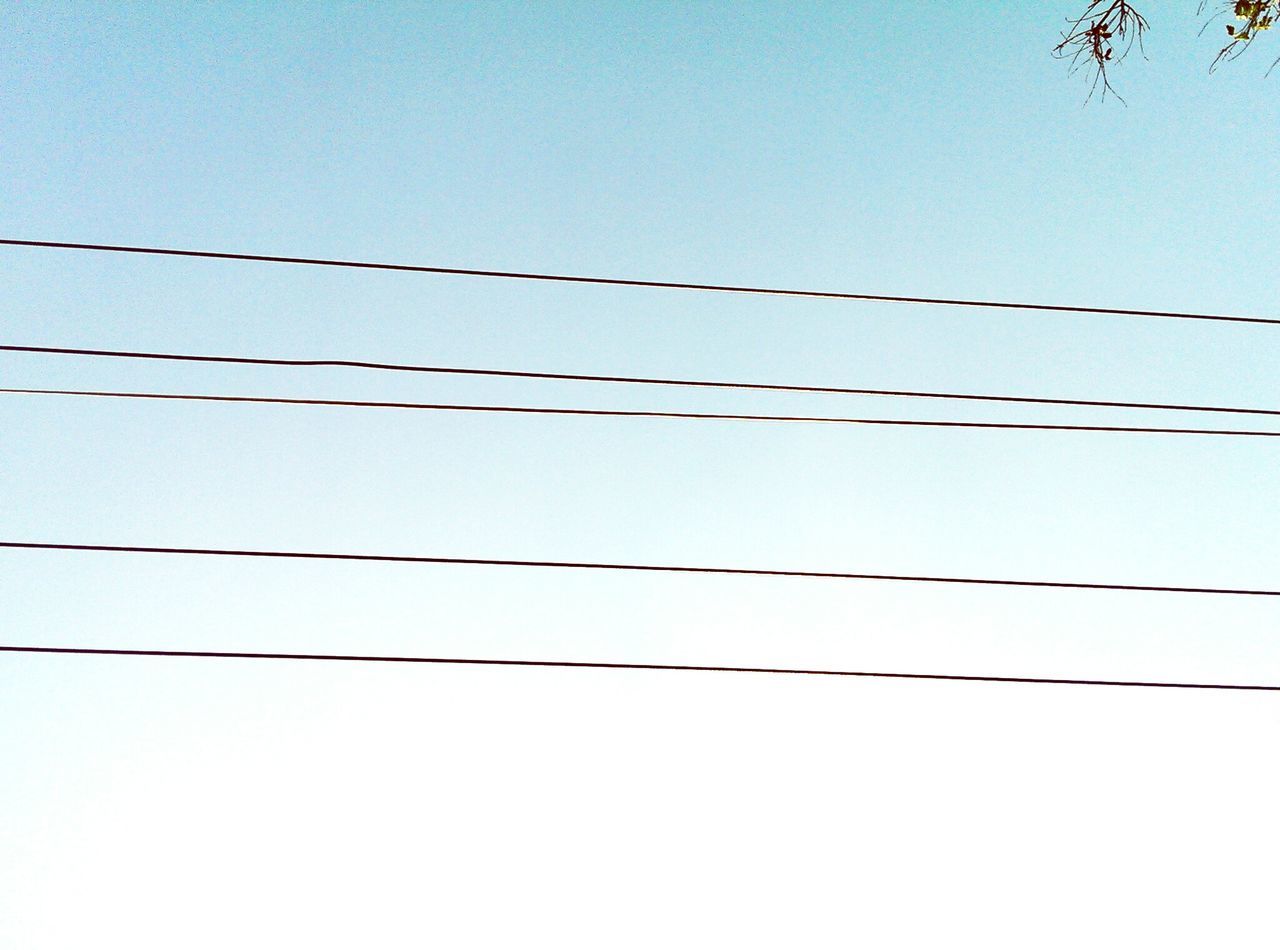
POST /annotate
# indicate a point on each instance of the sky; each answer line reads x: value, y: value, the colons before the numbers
x: 836, y: 146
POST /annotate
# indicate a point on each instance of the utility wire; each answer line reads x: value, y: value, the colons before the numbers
x: 645, y: 380
x: 638, y: 413
x: 598, y: 566
x: 677, y: 667
x: 625, y: 282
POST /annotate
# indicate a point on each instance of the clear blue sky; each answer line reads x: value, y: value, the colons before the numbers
x: 838, y: 146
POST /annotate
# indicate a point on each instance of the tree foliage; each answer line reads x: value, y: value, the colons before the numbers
x: 1108, y: 30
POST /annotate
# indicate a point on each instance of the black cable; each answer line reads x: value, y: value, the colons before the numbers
x: 638, y: 413
x: 593, y: 565
x: 624, y: 282
x: 645, y: 380
x: 677, y: 667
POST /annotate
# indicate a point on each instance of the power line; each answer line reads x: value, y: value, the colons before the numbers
x: 637, y: 413
x: 599, y: 566
x: 672, y: 667
x: 627, y: 282
x: 643, y: 380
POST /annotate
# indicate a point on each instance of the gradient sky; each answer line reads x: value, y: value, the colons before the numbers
x: 836, y: 146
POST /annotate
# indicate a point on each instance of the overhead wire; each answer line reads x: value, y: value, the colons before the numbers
x: 592, y: 665
x: 637, y: 413
x: 634, y: 413
x: 607, y: 566
x: 641, y: 380
x: 630, y: 282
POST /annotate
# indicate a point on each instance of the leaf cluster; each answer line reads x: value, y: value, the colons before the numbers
x: 1254, y: 18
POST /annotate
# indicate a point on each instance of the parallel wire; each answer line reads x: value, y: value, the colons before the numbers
x: 670, y: 667
x: 639, y: 413
x: 687, y: 415
x: 643, y: 380
x: 626, y: 282
x: 604, y: 566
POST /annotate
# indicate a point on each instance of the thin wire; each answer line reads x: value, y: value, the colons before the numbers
x: 582, y: 665
x: 645, y: 380
x: 639, y: 413
x: 625, y: 282
x: 599, y: 566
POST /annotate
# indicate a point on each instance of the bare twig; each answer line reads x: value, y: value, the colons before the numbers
x: 1101, y: 37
